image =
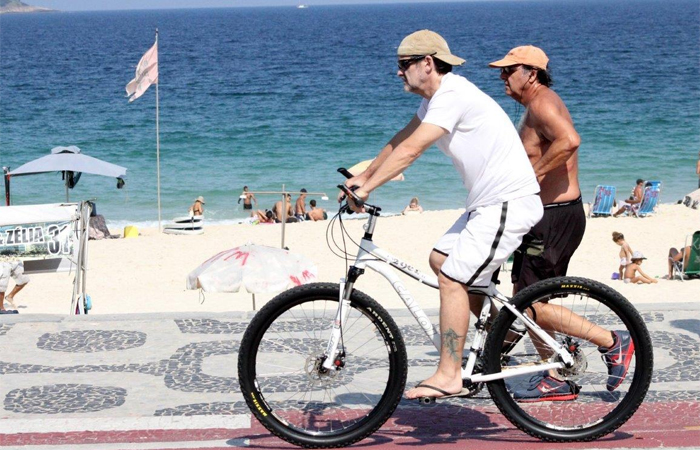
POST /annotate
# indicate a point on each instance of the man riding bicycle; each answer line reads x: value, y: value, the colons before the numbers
x: 472, y: 129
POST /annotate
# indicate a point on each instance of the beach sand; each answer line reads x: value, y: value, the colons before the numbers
x: 147, y: 274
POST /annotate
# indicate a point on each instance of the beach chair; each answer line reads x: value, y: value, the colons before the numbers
x: 692, y: 269
x: 652, y: 191
x: 604, y: 198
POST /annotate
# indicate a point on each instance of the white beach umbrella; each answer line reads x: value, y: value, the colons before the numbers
x: 256, y: 268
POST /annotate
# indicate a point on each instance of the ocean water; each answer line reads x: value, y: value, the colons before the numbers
x: 273, y: 97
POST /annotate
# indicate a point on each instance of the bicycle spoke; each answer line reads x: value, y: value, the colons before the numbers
x: 576, y: 398
x: 288, y: 368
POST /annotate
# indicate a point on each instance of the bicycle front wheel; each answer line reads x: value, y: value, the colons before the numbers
x: 282, y: 379
x: 596, y: 395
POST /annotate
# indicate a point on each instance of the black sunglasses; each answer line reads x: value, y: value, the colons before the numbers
x: 507, y: 71
x: 404, y: 64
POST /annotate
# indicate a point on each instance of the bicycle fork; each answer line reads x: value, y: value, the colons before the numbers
x: 341, y: 317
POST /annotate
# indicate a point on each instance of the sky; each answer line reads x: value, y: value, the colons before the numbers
x: 94, y: 5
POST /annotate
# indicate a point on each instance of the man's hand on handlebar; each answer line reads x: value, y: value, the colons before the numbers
x: 354, y: 182
x: 353, y: 205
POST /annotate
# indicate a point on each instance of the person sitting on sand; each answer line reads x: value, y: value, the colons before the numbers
x: 675, y: 256
x: 632, y: 203
x: 625, y: 252
x: 316, y: 213
x: 413, y: 207
x: 197, y: 209
x: 248, y: 198
x: 300, y: 205
x: 634, y: 273
x: 284, y: 211
x: 266, y: 216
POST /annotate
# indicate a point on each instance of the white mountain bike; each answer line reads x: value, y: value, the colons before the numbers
x: 324, y: 365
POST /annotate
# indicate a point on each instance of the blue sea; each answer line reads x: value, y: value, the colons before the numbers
x: 280, y: 97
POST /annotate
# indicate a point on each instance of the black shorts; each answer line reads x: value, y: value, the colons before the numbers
x: 549, y: 246
x: 248, y: 206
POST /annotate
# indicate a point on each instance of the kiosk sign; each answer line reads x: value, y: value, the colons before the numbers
x: 37, y: 240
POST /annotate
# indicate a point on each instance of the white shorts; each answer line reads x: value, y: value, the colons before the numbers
x: 481, y: 240
x: 14, y: 269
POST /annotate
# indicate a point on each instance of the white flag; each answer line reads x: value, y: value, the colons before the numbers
x: 146, y: 74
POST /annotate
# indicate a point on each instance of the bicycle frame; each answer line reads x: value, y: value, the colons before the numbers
x: 371, y: 256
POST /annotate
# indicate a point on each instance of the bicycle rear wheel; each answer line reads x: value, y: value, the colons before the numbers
x: 279, y: 367
x: 595, y: 402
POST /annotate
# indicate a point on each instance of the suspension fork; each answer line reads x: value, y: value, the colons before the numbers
x: 341, y: 316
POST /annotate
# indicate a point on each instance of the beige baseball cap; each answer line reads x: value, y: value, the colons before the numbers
x: 528, y: 55
x: 200, y: 199
x: 426, y: 42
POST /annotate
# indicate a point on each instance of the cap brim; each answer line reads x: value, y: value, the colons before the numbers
x: 450, y: 59
x: 505, y: 62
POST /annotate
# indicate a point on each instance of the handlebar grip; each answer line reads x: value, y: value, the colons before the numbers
x: 350, y: 192
x: 343, y: 171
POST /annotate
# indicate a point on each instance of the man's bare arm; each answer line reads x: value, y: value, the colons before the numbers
x: 403, y: 155
x: 559, y: 131
x: 391, y: 146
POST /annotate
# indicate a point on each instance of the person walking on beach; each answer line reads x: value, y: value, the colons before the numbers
x: 300, y: 205
x: 551, y: 142
x: 197, y: 209
x: 472, y: 130
x: 248, y: 199
x: 15, y: 269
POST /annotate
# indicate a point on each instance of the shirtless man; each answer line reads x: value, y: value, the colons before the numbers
x: 551, y: 142
x: 316, y: 214
x: 300, y: 205
x: 248, y: 200
x: 635, y: 198
x: 278, y: 209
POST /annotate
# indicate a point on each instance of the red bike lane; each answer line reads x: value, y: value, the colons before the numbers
x: 441, y: 427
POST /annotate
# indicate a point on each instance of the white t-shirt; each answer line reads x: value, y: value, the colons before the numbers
x: 482, y: 142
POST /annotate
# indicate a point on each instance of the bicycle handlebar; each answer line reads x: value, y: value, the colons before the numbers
x: 345, y: 172
x: 350, y: 192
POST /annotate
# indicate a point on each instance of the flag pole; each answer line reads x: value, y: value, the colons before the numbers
x: 160, y: 229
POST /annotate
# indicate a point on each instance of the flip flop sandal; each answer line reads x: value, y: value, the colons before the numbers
x: 428, y: 399
x: 9, y: 311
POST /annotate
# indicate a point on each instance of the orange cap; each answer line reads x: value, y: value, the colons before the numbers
x: 528, y: 55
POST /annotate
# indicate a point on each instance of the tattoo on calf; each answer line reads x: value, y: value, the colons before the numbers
x: 450, y: 341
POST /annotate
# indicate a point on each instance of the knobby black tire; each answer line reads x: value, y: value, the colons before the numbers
x: 371, y: 312
x: 621, y: 309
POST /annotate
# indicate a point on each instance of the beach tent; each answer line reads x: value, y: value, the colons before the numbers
x: 72, y: 163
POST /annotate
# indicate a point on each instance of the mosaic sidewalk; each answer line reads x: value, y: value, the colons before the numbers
x: 122, y: 381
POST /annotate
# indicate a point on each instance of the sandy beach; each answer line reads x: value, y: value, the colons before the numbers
x: 147, y: 274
